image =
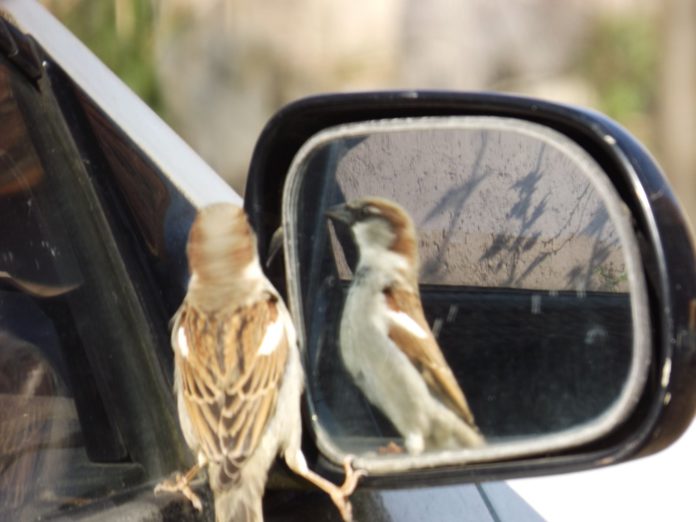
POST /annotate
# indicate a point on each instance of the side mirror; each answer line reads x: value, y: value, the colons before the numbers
x: 556, y: 279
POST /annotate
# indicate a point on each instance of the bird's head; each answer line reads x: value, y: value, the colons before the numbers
x: 222, y: 246
x: 379, y: 226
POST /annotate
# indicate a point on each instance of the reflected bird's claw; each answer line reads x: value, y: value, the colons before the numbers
x: 390, y: 449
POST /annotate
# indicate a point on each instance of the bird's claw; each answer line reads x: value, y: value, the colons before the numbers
x: 341, y: 496
x: 352, y: 476
x: 180, y: 484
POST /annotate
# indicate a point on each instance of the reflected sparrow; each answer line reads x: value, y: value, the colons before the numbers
x: 385, y: 341
x: 238, y: 376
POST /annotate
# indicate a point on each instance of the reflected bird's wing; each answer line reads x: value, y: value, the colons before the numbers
x: 409, y: 330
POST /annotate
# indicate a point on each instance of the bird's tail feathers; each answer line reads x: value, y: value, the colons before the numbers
x: 451, y: 431
x: 468, y: 435
x: 231, y: 506
x: 237, y: 497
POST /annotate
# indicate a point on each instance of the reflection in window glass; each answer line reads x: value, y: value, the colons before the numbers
x: 45, y: 377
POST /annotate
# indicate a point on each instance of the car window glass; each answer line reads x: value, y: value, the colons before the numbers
x: 50, y: 399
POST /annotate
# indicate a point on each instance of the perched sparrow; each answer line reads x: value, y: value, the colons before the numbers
x: 385, y: 341
x: 238, y: 376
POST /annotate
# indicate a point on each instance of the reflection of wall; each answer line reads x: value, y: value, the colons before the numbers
x: 528, y: 262
x: 492, y: 208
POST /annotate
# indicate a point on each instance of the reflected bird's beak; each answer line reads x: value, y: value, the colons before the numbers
x: 342, y: 213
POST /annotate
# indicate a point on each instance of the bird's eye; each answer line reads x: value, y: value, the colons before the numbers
x: 369, y: 210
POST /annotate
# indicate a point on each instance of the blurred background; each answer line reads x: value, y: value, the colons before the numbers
x: 216, y: 70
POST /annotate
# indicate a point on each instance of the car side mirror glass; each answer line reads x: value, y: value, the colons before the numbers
x: 530, y: 280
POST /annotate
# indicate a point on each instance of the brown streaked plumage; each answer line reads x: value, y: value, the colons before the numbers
x: 238, y: 377
x: 425, y: 353
x: 220, y: 245
x: 231, y: 393
x: 385, y: 341
x: 405, y: 242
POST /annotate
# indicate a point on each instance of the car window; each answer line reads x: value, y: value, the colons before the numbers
x: 83, y: 396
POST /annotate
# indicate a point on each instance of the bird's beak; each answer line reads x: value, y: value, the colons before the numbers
x: 342, y: 213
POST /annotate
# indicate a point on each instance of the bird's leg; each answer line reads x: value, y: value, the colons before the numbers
x: 339, y: 495
x: 181, y: 484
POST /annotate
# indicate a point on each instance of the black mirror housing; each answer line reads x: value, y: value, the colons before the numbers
x: 668, y: 401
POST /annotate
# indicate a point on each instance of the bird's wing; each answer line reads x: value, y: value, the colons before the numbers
x: 231, y: 377
x: 409, y: 330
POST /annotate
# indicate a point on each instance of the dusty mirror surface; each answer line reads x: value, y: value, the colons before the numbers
x: 529, y: 278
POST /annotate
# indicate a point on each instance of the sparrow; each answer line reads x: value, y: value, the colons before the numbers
x: 385, y: 341
x: 238, y: 376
